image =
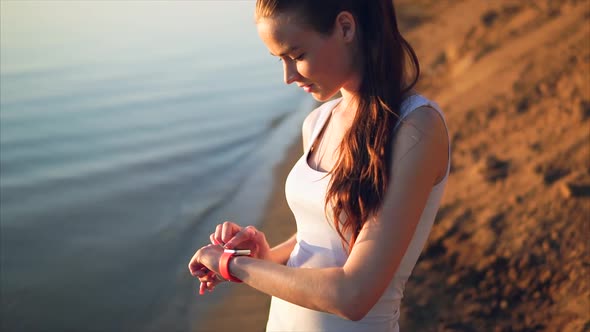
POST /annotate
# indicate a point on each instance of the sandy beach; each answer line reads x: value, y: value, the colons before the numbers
x: 509, y: 250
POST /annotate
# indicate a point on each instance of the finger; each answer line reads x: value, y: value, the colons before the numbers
x: 247, y: 233
x: 218, y: 231
x: 202, y: 289
x: 210, y: 276
x: 213, y: 239
x: 208, y: 285
x: 213, y: 282
x: 201, y: 273
x: 229, y: 229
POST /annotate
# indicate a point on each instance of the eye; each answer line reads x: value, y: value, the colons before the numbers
x: 299, y: 58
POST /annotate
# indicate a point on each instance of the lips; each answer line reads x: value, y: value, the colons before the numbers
x: 306, y: 87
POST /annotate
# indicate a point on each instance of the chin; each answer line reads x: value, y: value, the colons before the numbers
x: 323, y: 97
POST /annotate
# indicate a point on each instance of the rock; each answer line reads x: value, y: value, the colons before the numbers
x: 524, y: 262
x: 545, y: 276
x: 515, y: 199
x: 523, y: 105
x: 574, y: 190
x: 489, y: 18
x: 551, y: 172
x: 512, y: 274
x: 453, y: 279
x: 584, y: 109
x: 495, y: 169
x: 536, y: 146
x: 503, y: 304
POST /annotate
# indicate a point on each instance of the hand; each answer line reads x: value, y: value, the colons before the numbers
x: 233, y: 236
x: 205, y: 265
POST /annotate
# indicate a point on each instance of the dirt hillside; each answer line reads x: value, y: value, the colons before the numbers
x: 510, y: 248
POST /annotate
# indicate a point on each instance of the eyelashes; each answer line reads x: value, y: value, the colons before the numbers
x: 299, y: 58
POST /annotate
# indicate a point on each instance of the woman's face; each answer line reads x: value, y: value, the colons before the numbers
x: 320, y: 64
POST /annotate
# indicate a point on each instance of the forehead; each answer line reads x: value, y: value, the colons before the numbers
x: 283, y: 32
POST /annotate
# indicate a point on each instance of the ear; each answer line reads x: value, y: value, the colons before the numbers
x: 346, y: 26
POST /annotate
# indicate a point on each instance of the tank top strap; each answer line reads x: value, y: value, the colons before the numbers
x: 320, y: 121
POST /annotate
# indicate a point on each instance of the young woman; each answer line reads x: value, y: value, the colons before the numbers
x: 367, y: 188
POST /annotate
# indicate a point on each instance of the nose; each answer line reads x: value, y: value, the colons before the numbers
x: 290, y: 71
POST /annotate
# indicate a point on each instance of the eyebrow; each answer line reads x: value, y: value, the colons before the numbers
x: 291, y: 49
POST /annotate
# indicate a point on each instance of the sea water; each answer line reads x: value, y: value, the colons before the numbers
x: 123, y: 127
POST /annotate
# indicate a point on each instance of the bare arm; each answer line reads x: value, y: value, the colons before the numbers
x: 352, y: 290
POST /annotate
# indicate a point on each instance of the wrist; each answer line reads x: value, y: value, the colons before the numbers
x: 226, y: 259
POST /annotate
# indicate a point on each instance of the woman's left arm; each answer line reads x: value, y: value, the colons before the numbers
x: 419, y: 158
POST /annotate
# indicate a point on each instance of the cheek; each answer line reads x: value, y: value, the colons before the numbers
x: 331, y: 66
x: 317, y: 66
x: 306, y: 69
x: 316, y: 70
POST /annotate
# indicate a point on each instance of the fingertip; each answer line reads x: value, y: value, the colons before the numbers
x: 202, y: 289
x: 252, y: 230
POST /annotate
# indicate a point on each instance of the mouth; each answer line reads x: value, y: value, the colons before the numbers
x: 306, y: 87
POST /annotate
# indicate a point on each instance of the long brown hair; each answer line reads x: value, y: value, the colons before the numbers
x: 359, y: 178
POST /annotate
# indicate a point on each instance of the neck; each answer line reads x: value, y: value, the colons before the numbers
x: 350, y: 93
x: 349, y: 104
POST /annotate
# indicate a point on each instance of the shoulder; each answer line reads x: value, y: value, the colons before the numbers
x: 424, y: 118
x: 422, y: 135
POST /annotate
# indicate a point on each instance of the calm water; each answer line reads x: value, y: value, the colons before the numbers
x: 128, y: 129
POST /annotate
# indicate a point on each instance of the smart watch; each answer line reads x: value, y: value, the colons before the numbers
x: 224, y: 262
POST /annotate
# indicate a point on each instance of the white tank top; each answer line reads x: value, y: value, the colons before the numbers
x: 318, y: 244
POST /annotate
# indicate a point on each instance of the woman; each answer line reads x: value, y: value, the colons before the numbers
x: 367, y: 188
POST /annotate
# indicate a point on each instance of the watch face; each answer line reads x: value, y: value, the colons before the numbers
x: 238, y: 252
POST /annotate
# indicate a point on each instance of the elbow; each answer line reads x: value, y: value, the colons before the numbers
x: 353, y: 307
x: 347, y: 300
x: 354, y: 315
x: 355, y: 312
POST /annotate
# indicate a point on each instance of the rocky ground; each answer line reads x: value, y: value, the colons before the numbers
x: 510, y: 248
